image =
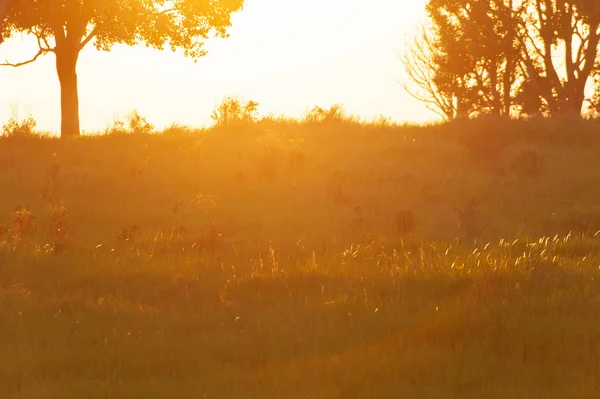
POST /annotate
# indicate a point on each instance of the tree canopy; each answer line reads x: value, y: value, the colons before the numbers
x: 65, y: 27
x: 3, y: 4
x: 508, y: 57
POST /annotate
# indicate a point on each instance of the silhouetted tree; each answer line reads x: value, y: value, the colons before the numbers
x: 65, y: 27
x: 594, y: 100
x: 559, y: 47
x: 423, y: 69
x: 469, y: 55
x: 477, y: 41
x: 3, y: 4
x: 534, y: 56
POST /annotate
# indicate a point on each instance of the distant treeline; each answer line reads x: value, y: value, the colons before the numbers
x: 507, y: 57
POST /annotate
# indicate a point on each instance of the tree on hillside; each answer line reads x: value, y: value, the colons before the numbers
x: 477, y: 37
x: 559, y: 47
x: 531, y: 56
x: 471, y: 53
x: 65, y: 27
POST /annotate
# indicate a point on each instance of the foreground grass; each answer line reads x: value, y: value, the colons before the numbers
x: 295, y: 261
x: 512, y: 320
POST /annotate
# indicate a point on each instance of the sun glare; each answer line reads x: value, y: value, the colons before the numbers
x: 288, y: 56
x: 260, y: 223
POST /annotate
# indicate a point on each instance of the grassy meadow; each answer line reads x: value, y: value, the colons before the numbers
x: 315, y: 259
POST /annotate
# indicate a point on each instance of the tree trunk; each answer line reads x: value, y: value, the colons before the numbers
x: 574, y: 106
x: 66, y: 66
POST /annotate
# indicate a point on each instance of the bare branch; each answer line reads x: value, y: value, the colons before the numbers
x: 35, y: 57
x: 41, y: 38
x: 420, y: 68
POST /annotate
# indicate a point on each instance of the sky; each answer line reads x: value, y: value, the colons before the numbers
x: 288, y: 55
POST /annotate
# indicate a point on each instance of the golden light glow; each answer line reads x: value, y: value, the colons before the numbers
x: 286, y: 55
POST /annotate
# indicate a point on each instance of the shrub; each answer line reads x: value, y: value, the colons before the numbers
x: 382, y: 121
x: 117, y: 127
x: 60, y: 232
x: 15, y: 127
x: 22, y: 223
x: 134, y: 124
x: 335, y: 113
x: 138, y: 124
x: 234, y: 111
x: 404, y: 222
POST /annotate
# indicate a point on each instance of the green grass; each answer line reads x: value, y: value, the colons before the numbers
x: 285, y: 260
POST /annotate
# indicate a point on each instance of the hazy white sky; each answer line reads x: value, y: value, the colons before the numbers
x: 287, y: 55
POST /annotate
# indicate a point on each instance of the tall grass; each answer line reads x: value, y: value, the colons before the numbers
x: 320, y: 258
